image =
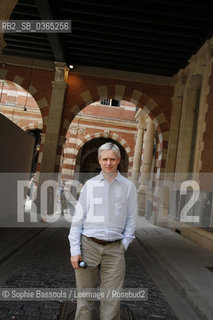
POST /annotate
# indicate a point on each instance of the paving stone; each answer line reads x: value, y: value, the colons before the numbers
x: 49, y: 267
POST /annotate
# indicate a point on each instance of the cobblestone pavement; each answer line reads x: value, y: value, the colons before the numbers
x: 48, y: 266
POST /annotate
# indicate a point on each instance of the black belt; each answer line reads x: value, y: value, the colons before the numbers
x: 103, y: 242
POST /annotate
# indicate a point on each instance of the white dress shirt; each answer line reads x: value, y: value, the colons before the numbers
x: 105, y: 210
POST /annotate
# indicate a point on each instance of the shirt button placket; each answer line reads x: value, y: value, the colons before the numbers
x: 107, y: 210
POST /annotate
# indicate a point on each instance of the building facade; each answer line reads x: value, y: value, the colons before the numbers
x: 167, y: 141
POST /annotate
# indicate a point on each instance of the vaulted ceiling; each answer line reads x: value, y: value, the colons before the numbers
x: 148, y: 36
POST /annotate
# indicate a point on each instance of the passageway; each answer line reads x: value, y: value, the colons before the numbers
x: 39, y: 258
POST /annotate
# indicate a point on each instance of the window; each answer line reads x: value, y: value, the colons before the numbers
x: 115, y: 103
x: 105, y: 102
x: 111, y: 102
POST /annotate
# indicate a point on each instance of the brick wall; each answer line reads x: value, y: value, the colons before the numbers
x: 96, y: 121
x: 78, y: 84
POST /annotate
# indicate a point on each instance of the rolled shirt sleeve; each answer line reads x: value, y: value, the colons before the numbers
x: 132, y: 210
x: 77, y: 223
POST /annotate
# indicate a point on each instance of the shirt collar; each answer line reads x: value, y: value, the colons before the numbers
x: 117, y: 178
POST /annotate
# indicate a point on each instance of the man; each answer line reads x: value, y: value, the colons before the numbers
x: 102, y: 227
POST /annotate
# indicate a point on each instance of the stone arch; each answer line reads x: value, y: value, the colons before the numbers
x: 32, y: 126
x: 122, y: 92
x: 87, y: 138
x: 40, y: 100
x: 43, y: 104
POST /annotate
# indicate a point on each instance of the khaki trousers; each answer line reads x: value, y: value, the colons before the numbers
x: 108, y: 263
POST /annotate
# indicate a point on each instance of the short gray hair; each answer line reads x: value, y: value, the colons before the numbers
x: 109, y: 146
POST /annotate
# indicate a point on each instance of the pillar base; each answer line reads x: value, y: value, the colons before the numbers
x: 162, y: 217
x: 153, y: 219
x: 141, y: 203
x: 144, y: 202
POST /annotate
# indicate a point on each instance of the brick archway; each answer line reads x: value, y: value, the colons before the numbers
x: 40, y: 100
x: 21, y: 76
x: 121, y: 92
x: 32, y: 126
x: 72, y: 153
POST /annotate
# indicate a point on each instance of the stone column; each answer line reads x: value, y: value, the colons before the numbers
x: 186, y: 128
x: 143, y: 194
x: 147, y: 153
x: 47, y: 167
x: 174, y: 133
x: 180, y: 142
x: 138, y: 152
x: 54, y: 119
x: 167, y: 189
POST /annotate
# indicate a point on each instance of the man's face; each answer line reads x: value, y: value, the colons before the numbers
x: 108, y: 161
